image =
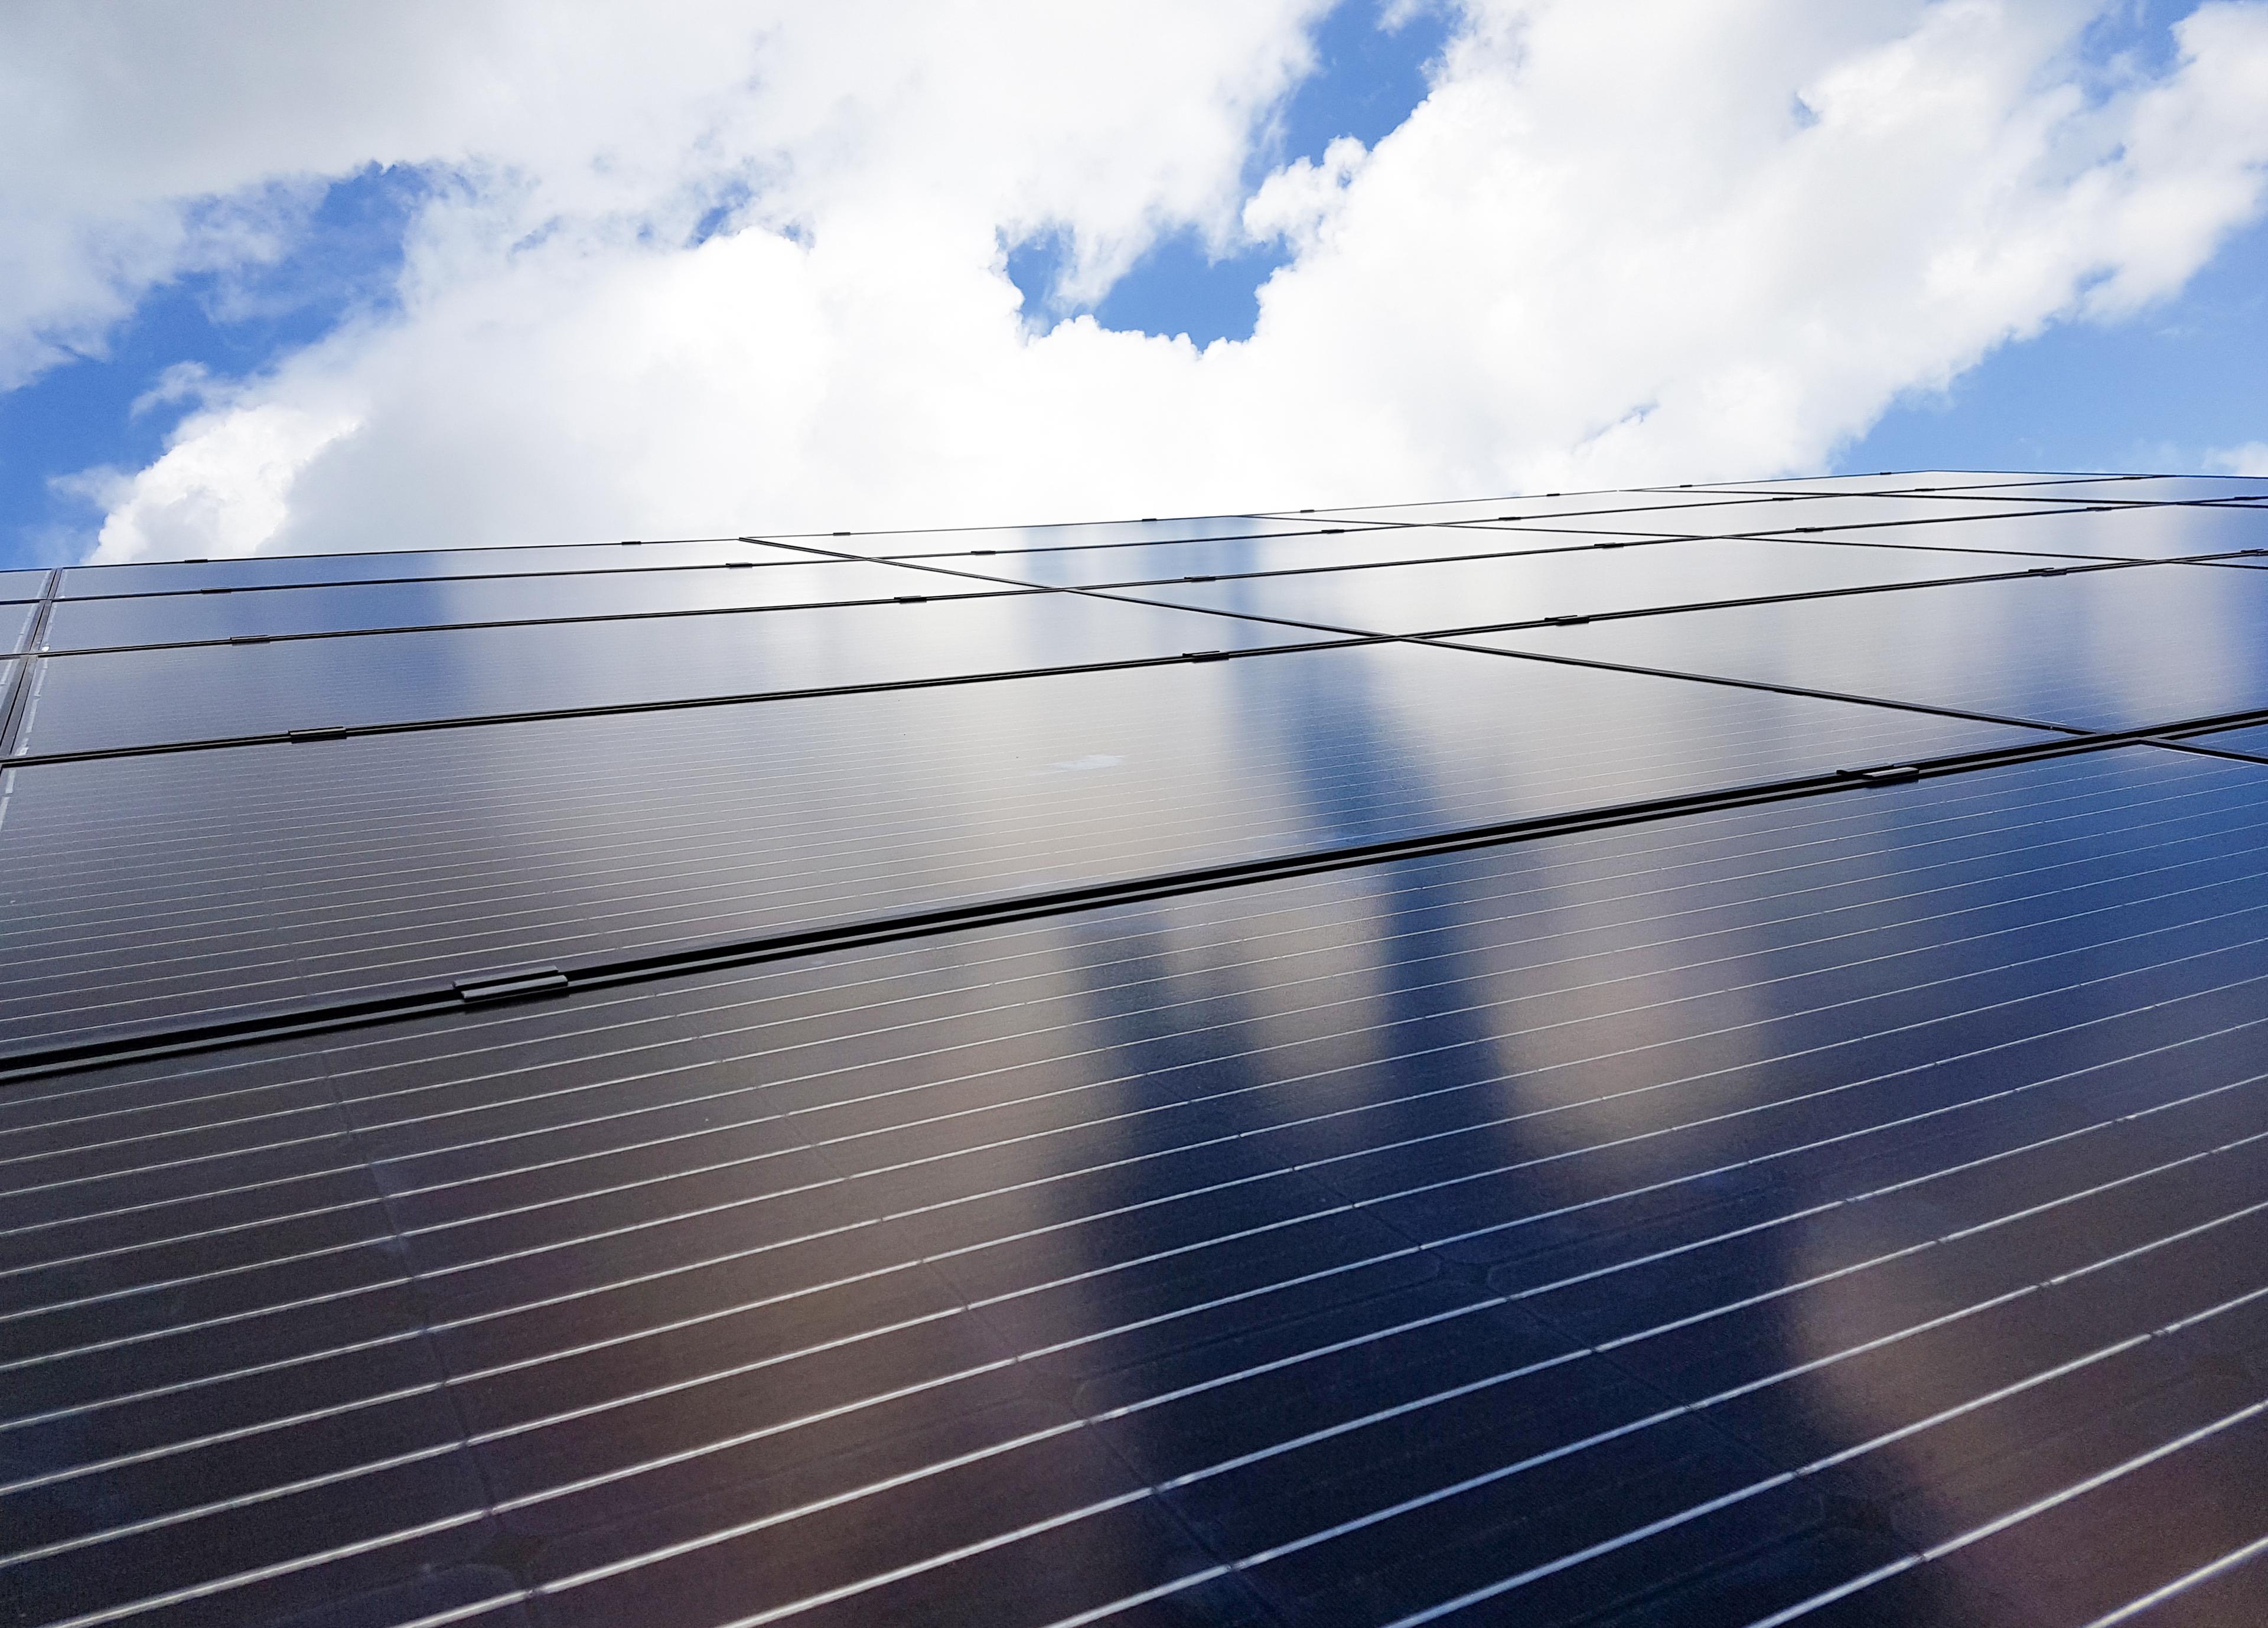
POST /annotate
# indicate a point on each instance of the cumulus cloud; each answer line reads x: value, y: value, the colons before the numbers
x: 709, y: 271
x: 2249, y: 458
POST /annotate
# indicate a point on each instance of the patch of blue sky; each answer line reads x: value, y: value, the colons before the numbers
x: 344, y: 258
x: 1369, y: 76
x: 2157, y: 392
x: 2160, y: 391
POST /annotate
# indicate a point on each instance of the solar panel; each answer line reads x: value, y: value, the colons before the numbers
x: 996, y: 1112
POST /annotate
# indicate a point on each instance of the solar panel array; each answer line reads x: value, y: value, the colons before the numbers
x: 1684, y: 1056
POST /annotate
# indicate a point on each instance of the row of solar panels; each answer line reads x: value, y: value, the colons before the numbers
x: 1847, y: 1211
x: 633, y: 814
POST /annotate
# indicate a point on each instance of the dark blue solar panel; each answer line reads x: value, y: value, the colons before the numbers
x: 1855, y: 1204
x: 154, y: 697
x: 152, y: 885
x: 97, y: 623
x: 2092, y: 650
x: 1463, y: 593
x: 998, y: 1113
x: 2137, y: 532
x: 275, y: 571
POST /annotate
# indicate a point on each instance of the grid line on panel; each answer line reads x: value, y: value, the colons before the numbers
x: 2158, y: 846
x: 1367, y: 635
x: 380, y: 581
x: 15, y: 706
x: 999, y: 587
x: 2168, y: 727
x: 673, y: 705
x: 1015, y: 592
x: 1005, y: 587
x: 304, y: 1016
x: 1220, y: 1383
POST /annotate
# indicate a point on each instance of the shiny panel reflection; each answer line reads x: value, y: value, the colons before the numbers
x: 2095, y: 650
x: 1751, y: 516
x: 16, y: 626
x: 96, y: 624
x: 22, y: 585
x: 2161, y: 489
x: 1680, y: 1223
x: 273, y: 571
x: 2141, y: 532
x: 152, y: 885
x: 1074, y: 534
x: 1173, y: 562
x: 205, y: 692
x: 1423, y: 598
x: 1479, y: 509
x: 1904, y: 480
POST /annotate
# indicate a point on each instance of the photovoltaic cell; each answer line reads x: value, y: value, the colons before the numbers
x: 1481, y: 510
x: 2087, y: 651
x: 2137, y: 532
x: 1686, y: 1222
x: 1075, y: 534
x: 146, y: 886
x: 1423, y: 598
x: 278, y: 571
x: 1759, y: 515
x: 15, y: 626
x: 2161, y: 488
x: 1908, y: 481
x: 97, y: 623
x: 139, y: 698
x: 1097, y: 565
x: 1055, y: 1126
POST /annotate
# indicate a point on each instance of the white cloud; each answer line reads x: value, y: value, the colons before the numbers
x: 2249, y: 458
x: 1606, y: 248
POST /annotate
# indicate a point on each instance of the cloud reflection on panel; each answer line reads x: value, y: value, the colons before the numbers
x: 2083, y: 650
x: 444, y: 850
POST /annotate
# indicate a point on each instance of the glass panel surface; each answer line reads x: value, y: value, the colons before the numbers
x: 444, y: 853
x: 2143, y: 532
x: 216, y: 691
x: 1530, y: 506
x: 1416, y: 599
x: 96, y: 624
x: 1173, y: 562
x: 1901, y: 481
x: 273, y: 571
x: 1649, y: 1214
x: 1074, y: 534
x: 22, y: 585
x: 1757, y: 516
x: 2160, y: 488
x: 2252, y: 742
x: 15, y: 625
x: 2124, y: 649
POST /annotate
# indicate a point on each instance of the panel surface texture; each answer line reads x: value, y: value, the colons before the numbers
x: 139, y: 698
x: 1854, y: 1207
x: 16, y: 626
x: 1529, y: 587
x: 272, y: 571
x: 1102, y: 565
x: 2161, y: 488
x: 2134, y: 532
x: 1073, y: 535
x: 155, y: 619
x: 1346, y: 1070
x: 146, y: 887
x: 2124, y: 649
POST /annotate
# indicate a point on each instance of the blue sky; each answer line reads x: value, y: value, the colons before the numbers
x: 2160, y: 389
